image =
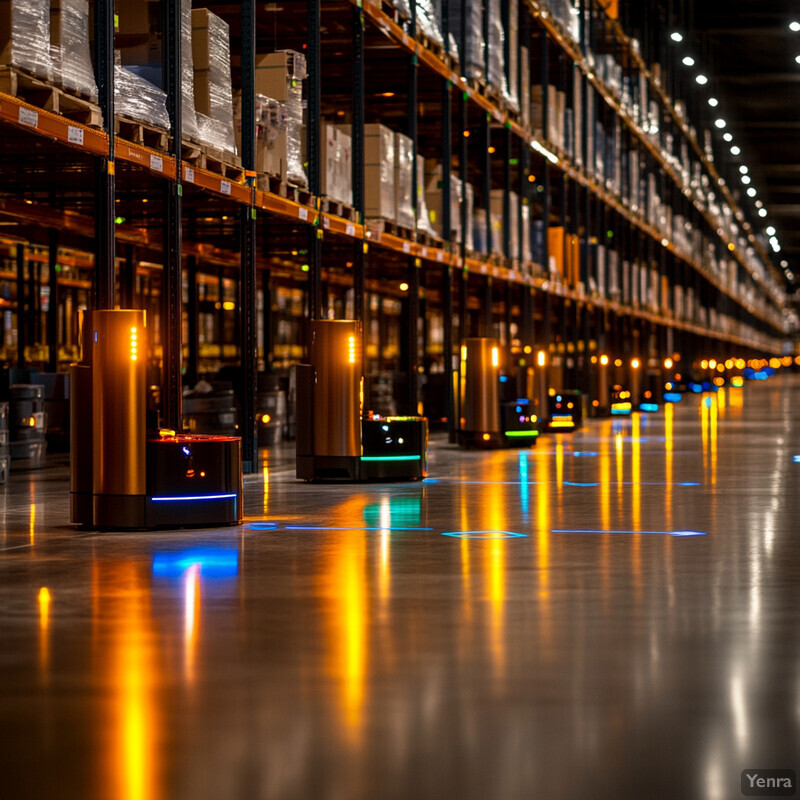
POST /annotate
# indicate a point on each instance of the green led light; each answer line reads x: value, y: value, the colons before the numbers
x: 305, y: 268
x: 119, y: 220
x: 391, y: 458
x: 520, y: 434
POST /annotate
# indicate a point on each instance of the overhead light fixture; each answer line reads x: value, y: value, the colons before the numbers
x: 728, y: 137
x: 759, y: 204
x: 702, y: 80
x: 735, y: 150
x: 797, y: 59
x: 743, y: 169
x: 745, y: 179
x: 793, y: 26
x: 713, y: 102
x: 676, y: 36
x: 771, y: 230
x: 762, y: 212
x: 688, y: 61
x: 720, y: 123
x: 784, y: 264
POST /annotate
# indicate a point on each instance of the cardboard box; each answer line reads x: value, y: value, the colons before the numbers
x: 403, y: 181
x: 275, y: 73
x: 433, y: 200
x: 379, y: 172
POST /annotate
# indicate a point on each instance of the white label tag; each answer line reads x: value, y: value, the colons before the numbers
x: 302, y: 213
x: 406, y: 247
x: 74, y: 135
x: 28, y: 117
x: 350, y: 230
x: 157, y: 163
x: 326, y: 222
x: 188, y: 175
x: 225, y: 187
x: 439, y: 256
x: 424, y: 252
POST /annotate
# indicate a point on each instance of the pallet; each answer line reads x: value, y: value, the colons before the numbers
x: 434, y: 47
x: 141, y: 133
x: 226, y: 164
x: 380, y: 225
x: 37, y: 92
x: 274, y: 185
x: 338, y: 209
x: 26, y: 87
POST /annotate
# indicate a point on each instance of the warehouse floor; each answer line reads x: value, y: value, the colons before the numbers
x: 353, y: 652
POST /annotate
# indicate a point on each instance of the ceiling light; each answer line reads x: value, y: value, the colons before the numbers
x: 770, y: 231
x: 720, y: 123
x: 762, y: 212
x: 745, y: 179
x: 676, y: 37
x: 759, y: 204
x: 784, y: 264
x: 728, y: 137
x: 797, y: 59
x: 793, y: 26
x: 743, y: 169
x: 735, y: 150
x: 713, y: 102
x: 702, y: 80
x: 688, y: 61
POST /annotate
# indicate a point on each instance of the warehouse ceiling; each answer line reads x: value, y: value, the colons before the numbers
x: 748, y: 52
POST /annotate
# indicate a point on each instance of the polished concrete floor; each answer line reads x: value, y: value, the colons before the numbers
x: 623, y: 621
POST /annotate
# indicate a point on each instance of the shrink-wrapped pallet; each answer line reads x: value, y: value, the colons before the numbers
x: 25, y: 36
x: 423, y: 220
x: 497, y: 62
x: 403, y: 180
x: 189, y: 119
x: 138, y: 99
x: 466, y: 25
x: 280, y: 76
x: 211, y: 60
x: 69, y: 47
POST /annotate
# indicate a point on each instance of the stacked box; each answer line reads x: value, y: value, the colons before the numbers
x: 479, y: 243
x: 497, y: 66
x: 525, y: 86
x: 138, y: 99
x: 25, y: 36
x: 433, y: 200
x: 423, y: 218
x: 213, y: 98
x: 404, y: 180
x: 379, y: 172
x: 556, y: 113
x: 280, y: 76
x: 188, y: 115
x: 69, y: 47
x: 511, y: 35
x: 470, y: 39
x: 499, y: 221
x: 526, y: 233
x: 336, y: 172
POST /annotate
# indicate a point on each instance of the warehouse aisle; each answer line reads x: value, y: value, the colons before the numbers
x: 608, y: 615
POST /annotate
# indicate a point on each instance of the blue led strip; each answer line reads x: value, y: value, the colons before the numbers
x: 485, y: 534
x: 662, y: 533
x: 391, y: 458
x: 324, y: 528
x: 193, y: 497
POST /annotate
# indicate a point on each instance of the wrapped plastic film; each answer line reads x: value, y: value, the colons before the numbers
x: 466, y: 24
x: 423, y: 219
x: 295, y: 128
x: 69, y: 47
x: 403, y: 181
x: 25, y: 36
x: 497, y: 64
x: 429, y: 20
x: 189, y: 120
x: 213, y: 97
x: 138, y: 99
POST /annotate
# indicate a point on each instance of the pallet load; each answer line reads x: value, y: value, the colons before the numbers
x: 423, y: 218
x: 404, y: 180
x: 466, y: 25
x: 336, y: 174
x: 213, y: 99
x: 141, y: 98
x: 69, y: 47
x: 497, y: 66
x: 379, y: 172
x: 279, y: 78
x: 25, y: 37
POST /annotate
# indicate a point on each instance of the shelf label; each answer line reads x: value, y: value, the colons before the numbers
x: 302, y: 213
x: 424, y: 252
x: 350, y: 230
x: 225, y: 187
x: 440, y: 256
x: 157, y: 163
x: 74, y: 135
x: 326, y: 222
x: 188, y: 174
x: 406, y: 247
x: 28, y: 117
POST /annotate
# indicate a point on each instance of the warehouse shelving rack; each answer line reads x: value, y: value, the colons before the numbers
x: 66, y: 185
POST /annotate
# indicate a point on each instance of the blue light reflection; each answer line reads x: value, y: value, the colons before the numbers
x: 213, y: 563
x: 652, y: 533
x: 485, y: 534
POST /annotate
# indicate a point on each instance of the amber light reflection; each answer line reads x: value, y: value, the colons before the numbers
x: 495, y: 566
x: 44, y: 631
x: 133, y: 741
